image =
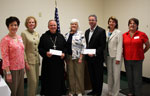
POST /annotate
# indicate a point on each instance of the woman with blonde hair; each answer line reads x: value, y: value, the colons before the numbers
x: 32, y: 61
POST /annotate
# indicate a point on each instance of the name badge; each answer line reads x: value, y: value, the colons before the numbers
x: 136, y: 37
x: 20, y: 40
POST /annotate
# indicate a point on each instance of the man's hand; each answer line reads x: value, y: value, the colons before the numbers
x: 49, y: 54
x: 90, y: 55
x: 62, y: 56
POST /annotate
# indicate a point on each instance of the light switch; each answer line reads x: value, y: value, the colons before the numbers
x: 40, y: 14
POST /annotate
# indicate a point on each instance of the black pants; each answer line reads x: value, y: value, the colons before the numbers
x: 95, y: 67
x: 134, y: 75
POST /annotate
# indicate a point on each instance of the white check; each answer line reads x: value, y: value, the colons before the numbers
x: 89, y: 51
x: 55, y: 52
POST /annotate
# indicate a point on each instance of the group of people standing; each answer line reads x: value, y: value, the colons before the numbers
x: 19, y: 52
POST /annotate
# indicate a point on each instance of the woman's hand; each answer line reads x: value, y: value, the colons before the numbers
x: 80, y: 61
x: 27, y: 66
x: 8, y: 75
x: 117, y: 62
x: 9, y: 78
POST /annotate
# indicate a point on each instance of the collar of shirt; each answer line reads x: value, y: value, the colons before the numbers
x: 91, y: 33
x: 109, y: 34
x: 134, y: 33
x: 93, y: 29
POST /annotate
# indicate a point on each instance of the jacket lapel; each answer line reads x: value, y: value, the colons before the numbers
x: 113, y: 34
x: 93, y: 35
x: 87, y: 36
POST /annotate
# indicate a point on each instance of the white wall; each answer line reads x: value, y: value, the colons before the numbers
x: 126, y: 9
x: 67, y: 9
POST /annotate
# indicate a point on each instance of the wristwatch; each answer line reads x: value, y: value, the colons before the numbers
x: 8, y: 73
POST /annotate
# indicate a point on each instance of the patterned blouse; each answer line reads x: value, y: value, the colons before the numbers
x: 12, y: 53
x: 78, y: 44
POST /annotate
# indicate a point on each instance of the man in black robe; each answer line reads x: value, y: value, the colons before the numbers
x: 52, y: 74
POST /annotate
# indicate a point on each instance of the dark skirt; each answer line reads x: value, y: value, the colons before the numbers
x: 52, y: 77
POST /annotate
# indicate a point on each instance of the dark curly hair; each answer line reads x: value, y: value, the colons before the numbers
x: 136, y: 21
x: 12, y: 19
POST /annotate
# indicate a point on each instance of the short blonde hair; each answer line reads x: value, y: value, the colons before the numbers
x: 28, y: 18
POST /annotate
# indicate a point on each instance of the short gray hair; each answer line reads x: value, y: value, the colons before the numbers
x: 75, y: 21
x: 50, y: 21
x: 93, y: 15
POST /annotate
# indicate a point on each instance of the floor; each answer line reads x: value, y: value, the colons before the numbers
x: 105, y: 90
x: 104, y: 93
x: 123, y: 87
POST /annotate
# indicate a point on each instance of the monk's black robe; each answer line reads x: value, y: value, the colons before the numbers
x: 52, y: 73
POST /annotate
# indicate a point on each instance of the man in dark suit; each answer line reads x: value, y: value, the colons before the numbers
x: 95, y: 39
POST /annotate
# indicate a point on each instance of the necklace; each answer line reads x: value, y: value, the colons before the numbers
x: 54, y: 42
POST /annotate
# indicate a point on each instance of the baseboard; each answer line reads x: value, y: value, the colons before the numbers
x: 123, y: 74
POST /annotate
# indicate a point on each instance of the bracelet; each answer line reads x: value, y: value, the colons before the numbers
x: 8, y: 73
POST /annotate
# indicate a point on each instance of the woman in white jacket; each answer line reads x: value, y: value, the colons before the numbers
x: 114, y: 55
